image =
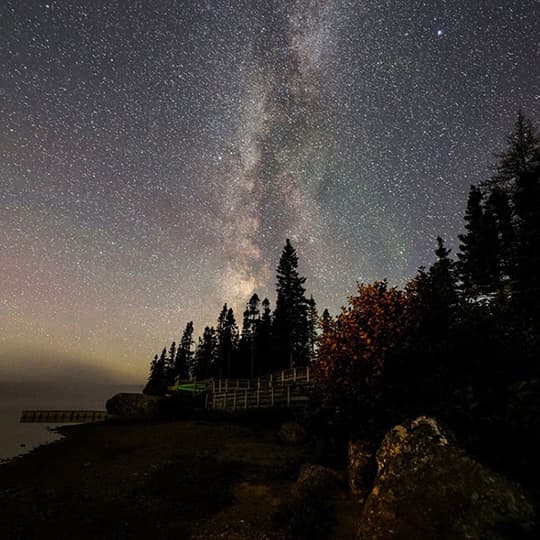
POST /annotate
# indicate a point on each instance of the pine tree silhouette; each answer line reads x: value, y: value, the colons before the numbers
x: 290, y: 330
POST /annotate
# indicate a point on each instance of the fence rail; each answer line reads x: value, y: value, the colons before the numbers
x: 286, y: 388
x: 63, y: 417
x: 255, y: 399
x: 300, y: 375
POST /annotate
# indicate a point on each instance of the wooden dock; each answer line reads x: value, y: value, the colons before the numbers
x: 63, y: 417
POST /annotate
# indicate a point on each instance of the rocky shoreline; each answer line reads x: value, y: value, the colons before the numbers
x: 247, y: 478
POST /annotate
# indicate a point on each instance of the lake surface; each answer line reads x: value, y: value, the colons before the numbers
x: 17, y: 438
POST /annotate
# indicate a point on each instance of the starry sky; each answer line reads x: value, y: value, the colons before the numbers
x: 154, y: 156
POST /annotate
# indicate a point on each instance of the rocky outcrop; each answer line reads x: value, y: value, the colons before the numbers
x: 134, y: 405
x: 292, y: 433
x: 360, y: 467
x: 428, y: 488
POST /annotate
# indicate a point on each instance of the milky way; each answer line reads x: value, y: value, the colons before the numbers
x: 154, y: 156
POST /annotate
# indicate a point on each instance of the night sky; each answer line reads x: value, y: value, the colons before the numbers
x: 155, y: 155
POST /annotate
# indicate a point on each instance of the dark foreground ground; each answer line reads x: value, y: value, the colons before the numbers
x: 184, y: 479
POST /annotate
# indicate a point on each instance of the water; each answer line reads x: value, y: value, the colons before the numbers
x: 17, y: 438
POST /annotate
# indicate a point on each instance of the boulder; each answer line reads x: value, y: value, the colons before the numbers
x: 360, y: 467
x: 292, y: 433
x: 317, y: 480
x: 134, y: 405
x: 308, y: 513
x: 426, y: 487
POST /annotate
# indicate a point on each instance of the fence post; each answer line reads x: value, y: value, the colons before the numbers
x: 307, y: 373
x: 271, y: 379
x: 272, y: 396
x: 258, y: 397
x: 234, y: 401
x: 283, y: 376
x: 288, y: 395
x: 245, y: 399
x: 294, y: 374
x: 226, y: 385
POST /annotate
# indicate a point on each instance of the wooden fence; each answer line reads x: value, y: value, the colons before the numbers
x: 297, y: 376
x: 288, y: 388
x: 63, y: 417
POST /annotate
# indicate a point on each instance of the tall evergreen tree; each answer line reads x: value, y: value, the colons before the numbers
x: 521, y: 159
x: 498, y: 205
x: 264, y: 340
x: 184, y: 355
x: 518, y: 175
x: 227, y: 335
x: 170, y: 363
x: 477, y: 258
x: 206, y: 355
x: 312, y: 320
x: 291, y: 334
x: 250, y: 329
x: 158, y: 380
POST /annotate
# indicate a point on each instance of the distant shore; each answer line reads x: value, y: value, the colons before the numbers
x: 150, y: 480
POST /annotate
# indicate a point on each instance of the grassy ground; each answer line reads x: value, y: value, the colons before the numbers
x: 185, y: 479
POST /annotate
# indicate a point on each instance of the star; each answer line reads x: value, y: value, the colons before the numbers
x: 153, y: 161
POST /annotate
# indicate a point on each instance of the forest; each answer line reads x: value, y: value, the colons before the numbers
x: 461, y: 341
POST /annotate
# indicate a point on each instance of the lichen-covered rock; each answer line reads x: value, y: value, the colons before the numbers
x: 134, y: 405
x: 319, y: 480
x: 292, y: 433
x: 428, y: 488
x: 360, y: 467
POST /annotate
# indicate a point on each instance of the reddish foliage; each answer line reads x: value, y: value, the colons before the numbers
x: 354, y: 346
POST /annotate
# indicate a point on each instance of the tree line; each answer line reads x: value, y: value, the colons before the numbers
x: 268, y: 340
x: 461, y: 340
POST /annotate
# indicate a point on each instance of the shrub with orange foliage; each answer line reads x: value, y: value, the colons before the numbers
x: 353, y: 349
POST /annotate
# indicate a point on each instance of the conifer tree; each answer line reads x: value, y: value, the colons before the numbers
x: 498, y: 205
x: 250, y: 329
x: 184, y: 355
x: 206, y: 355
x: 158, y: 381
x: 227, y: 335
x: 478, y: 249
x: 170, y: 364
x: 518, y: 177
x: 290, y: 330
x: 312, y: 320
x: 264, y: 340
x: 521, y: 163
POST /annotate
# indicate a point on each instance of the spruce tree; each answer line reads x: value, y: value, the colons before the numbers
x: 498, y: 205
x: 205, y: 355
x: 291, y: 335
x: 184, y: 354
x: 312, y: 320
x: 250, y: 329
x: 264, y: 340
x: 227, y: 335
x: 518, y: 171
x: 478, y: 258
x: 171, y: 376
x: 158, y: 381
